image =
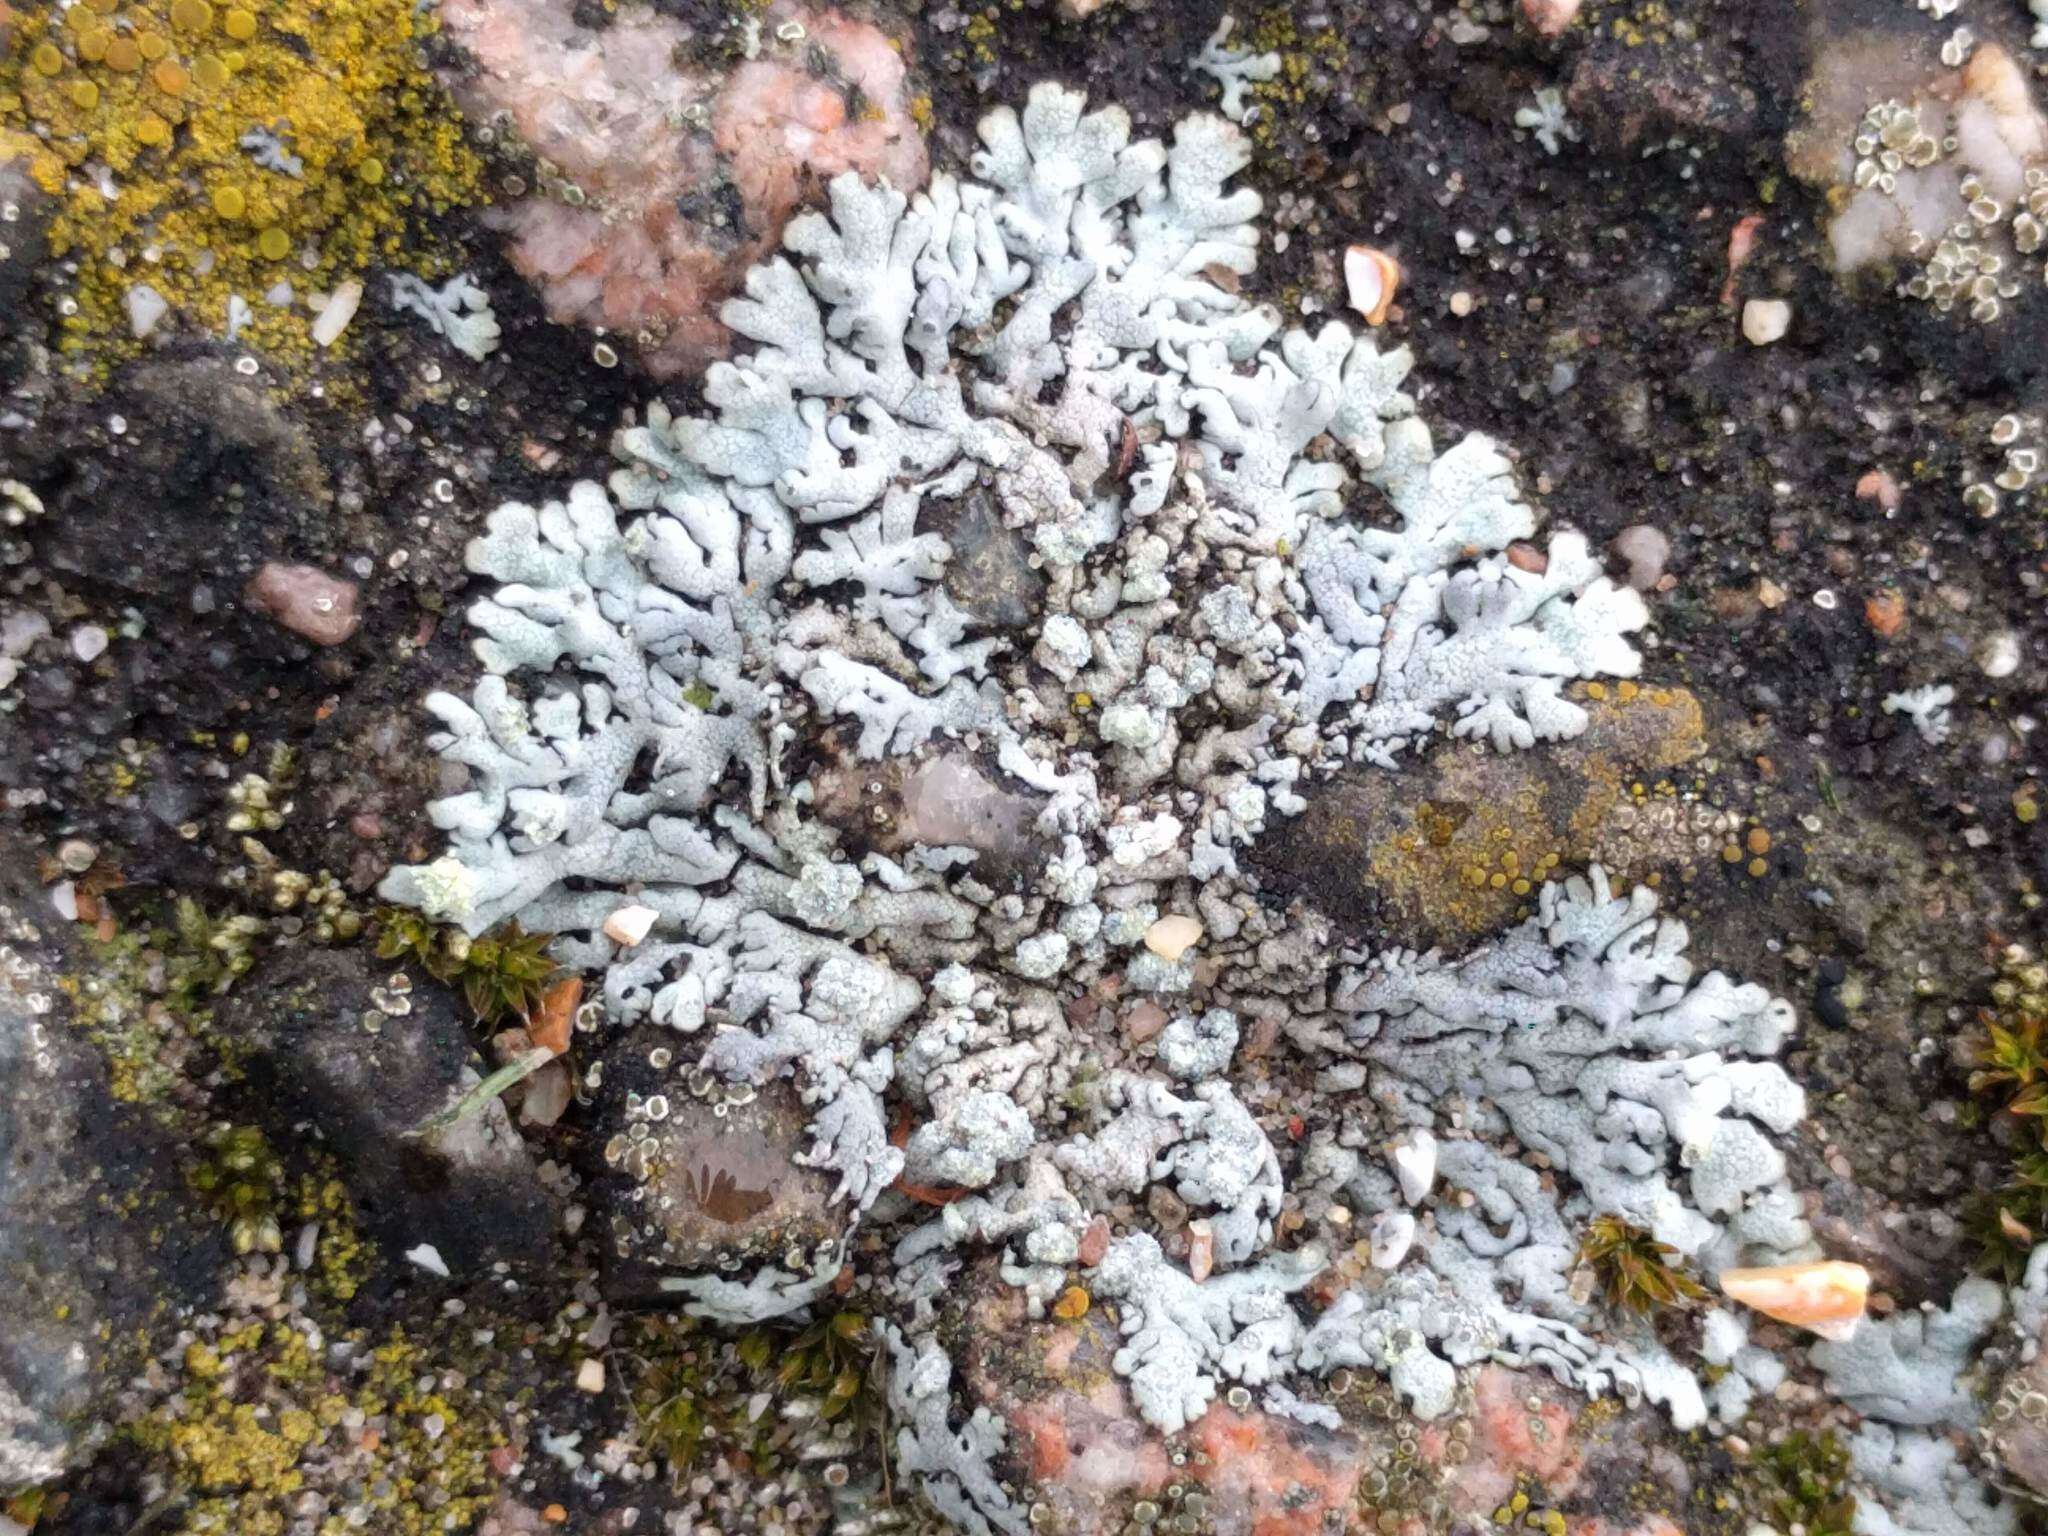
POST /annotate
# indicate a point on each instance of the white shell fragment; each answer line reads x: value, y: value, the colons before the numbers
x: 629, y: 925
x: 1173, y: 936
x: 1391, y: 1236
x: 426, y: 1256
x: 145, y: 307
x: 590, y: 1377
x: 1414, y: 1158
x: 1370, y: 278
x: 337, y: 312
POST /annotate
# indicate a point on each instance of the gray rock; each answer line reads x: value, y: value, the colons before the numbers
x: 990, y: 574
x: 470, y: 1191
x: 72, y: 1276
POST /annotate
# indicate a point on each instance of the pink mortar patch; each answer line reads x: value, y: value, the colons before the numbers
x: 669, y: 178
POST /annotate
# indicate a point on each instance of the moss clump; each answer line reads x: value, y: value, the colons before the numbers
x: 144, y: 1000
x: 692, y: 1389
x: 241, y: 1182
x: 1634, y: 1270
x: 1802, y: 1483
x: 2011, y: 1079
x: 832, y: 1361
x: 212, y: 151
x: 503, y: 975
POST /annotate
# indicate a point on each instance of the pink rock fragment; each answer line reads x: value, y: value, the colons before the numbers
x: 1094, y: 1243
x: 1550, y: 18
x: 305, y: 600
x: 1269, y: 1476
x: 1086, y: 1454
x: 1144, y: 1021
x: 668, y: 177
x: 1521, y: 1427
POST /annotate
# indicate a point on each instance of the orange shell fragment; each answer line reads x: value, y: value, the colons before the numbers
x: 1826, y: 1298
x: 1371, y: 278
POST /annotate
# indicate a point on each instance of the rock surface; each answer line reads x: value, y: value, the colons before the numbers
x: 362, y: 1056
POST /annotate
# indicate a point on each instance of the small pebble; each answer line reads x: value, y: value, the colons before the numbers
x: 1765, y: 321
x: 1999, y: 655
x: 1878, y: 486
x: 336, y: 313
x: 88, y: 642
x: 1144, y: 1021
x: 1644, y: 549
x: 1172, y: 936
x: 305, y: 600
x: 629, y: 925
x: 1550, y: 18
x: 1885, y: 613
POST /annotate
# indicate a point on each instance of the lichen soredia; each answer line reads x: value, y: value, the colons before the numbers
x: 926, y: 697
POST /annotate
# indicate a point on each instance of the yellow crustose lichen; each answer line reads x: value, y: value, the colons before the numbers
x: 213, y: 151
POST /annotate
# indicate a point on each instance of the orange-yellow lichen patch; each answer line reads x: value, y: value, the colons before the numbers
x: 177, y: 136
x: 1826, y: 1298
x: 1460, y: 850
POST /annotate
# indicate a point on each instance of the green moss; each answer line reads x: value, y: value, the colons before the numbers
x: 1635, y: 1271
x: 2011, y: 1080
x: 501, y: 975
x: 692, y: 1390
x: 145, y: 999
x: 1802, y: 1482
x: 242, y: 1183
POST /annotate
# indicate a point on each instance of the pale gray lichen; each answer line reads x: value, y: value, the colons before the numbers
x: 268, y: 148
x: 1928, y: 708
x: 1047, y: 369
x: 1237, y: 70
x: 1183, y: 1338
x: 1583, y: 1036
x: 1913, y: 1483
x: 1548, y: 121
x: 1208, y: 1147
x: 459, y: 311
x: 953, y: 1467
x: 1910, y: 1368
x: 1746, y: 1370
x: 1194, y: 1049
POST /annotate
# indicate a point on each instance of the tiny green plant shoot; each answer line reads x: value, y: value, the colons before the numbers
x: 1805, y: 1484
x: 2011, y: 1073
x: 691, y: 1387
x: 241, y: 1179
x: 502, y: 975
x: 1636, y: 1273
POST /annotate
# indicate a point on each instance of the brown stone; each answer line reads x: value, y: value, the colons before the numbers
x: 1439, y: 851
x: 305, y: 600
x: 1094, y: 1243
